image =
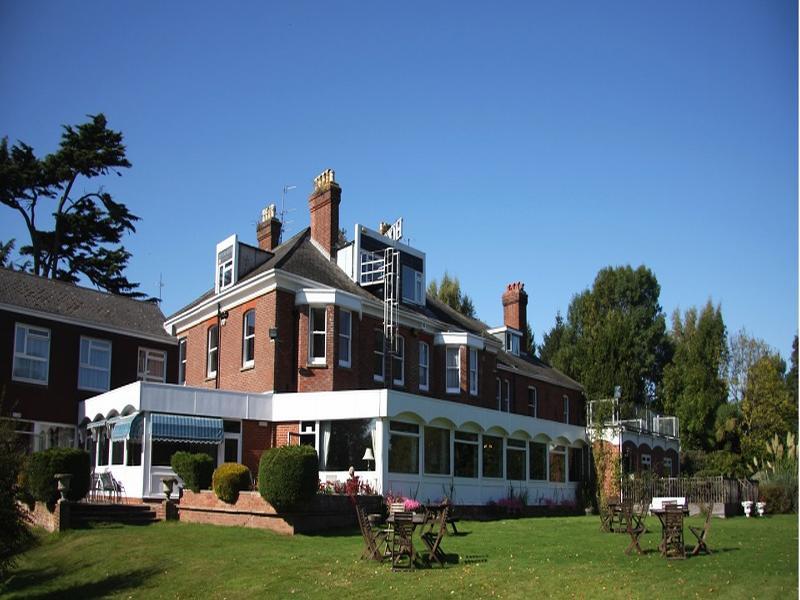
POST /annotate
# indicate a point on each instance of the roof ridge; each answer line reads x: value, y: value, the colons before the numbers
x: 51, y: 281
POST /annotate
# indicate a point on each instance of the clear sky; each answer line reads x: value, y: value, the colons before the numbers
x: 532, y: 141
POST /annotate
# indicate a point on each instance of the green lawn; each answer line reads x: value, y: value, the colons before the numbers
x: 555, y: 557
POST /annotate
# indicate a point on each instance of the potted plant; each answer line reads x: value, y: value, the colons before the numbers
x: 167, y: 483
x: 747, y: 505
x: 761, y: 507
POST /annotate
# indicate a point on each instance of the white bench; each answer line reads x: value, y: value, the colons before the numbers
x: 658, y: 503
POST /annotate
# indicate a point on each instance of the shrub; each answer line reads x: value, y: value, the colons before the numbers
x: 41, y: 468
x: 228, y: 480
x: 194, y: 469
x: 288, y: 476
x: 14, y: 534
x: 780, y: 497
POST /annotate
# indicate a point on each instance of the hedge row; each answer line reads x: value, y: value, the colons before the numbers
x: 288, y: 477
x: 41, y: 468
x: 229, y: 479
x: 196, y: 470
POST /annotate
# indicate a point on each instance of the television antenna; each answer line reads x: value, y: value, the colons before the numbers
x: 161, y: 286
x: 284, y: 211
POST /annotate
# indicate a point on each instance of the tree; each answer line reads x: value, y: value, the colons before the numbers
x: 614, y: 335
x: 84, y: 236
x: 694, y: 385
x: 767, y: 408
x: 791, y: 375
x: 449, y: 292
x: 744, y: 351
x: 551, y: 342
x: 530, y: 350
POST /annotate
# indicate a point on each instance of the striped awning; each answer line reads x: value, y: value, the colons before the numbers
x: 96, y: 424
x: 127, y: 427
x: 182, y: 428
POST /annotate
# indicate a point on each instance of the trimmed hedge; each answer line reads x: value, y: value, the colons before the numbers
x: 288, y: 477
x: 781, y: 498
x: 229, y: 479
x: 41, y: 467
x: 195, y: 470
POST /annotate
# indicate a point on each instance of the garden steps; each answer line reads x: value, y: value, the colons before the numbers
x: 83, y: 514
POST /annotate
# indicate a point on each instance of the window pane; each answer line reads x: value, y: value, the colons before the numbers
x: 250, y: 323
x: 575, y: 464
x: 231, y: 450
x: 452, y: 357
x: 117, y: 452
x: 319, y: 346
x: 249, y: 349
x: 344, y: 349
x: 465, y: 458
x: 437, y: 451
x: 515, y: 463
x: 538, y: 460
x: 347, y: 443
x: 557, y: 467
x: 403, y: 453
x: 377, y: 367
x: 492, y: 456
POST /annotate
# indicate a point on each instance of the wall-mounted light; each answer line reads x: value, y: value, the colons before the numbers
x: 223, y: 317
x: 273, y: 333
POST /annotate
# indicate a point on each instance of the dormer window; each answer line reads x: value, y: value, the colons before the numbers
x: 413, y: 288
x: 225, y: 269
x: 512, y: 342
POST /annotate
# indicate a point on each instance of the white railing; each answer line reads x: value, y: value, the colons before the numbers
x: 607, y: 413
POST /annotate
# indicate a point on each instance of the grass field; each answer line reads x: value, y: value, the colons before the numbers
x: 525, y: 558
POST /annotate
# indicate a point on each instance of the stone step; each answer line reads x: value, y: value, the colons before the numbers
x: 132, y: 514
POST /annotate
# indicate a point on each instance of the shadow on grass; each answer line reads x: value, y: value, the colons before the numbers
x: 98, y: 588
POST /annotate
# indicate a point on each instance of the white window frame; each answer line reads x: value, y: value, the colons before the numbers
x: 399, y: 356
x: 22, y: 354
x: 533, y: 401
x: 424, y: 366
x: 414, y: 294
x: 148, y: 353
x: 473, y: 372
x: 513, y: 343
x: 183, y: 346
x: 211, y: 350
x: 379, y: 351
x: 252, y: 360
x: 448, y: 368
x: 346, y: 336
x: 312, y: 331
x: 106, y: 345
x: 506, y: 395
x: 565, y: 407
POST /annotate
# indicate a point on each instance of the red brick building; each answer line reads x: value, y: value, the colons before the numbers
x: 336, y: 344
x: 61, y: 343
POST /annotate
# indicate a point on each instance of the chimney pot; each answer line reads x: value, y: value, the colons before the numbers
x: 515, y: 308
x: 323, y: 204
x: 268, y: 230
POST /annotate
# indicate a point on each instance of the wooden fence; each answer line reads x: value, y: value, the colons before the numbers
x: 694, y: 489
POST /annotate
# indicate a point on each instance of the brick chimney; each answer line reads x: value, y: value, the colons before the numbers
x: 268, y: 230
x: 323, y: 203
x: 515, y: 308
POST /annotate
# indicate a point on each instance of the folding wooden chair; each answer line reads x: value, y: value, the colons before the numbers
x: 402, y: 545
x: 701, y: 533
x: 635, y: 526
x: 433, y: 537
x: 375, y: 539
x: 673, y: 532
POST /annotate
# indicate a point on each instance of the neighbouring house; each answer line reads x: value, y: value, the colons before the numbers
x: 61, y: 343
x: 335, y: 344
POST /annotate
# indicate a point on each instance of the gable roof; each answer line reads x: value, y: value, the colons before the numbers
x: 298, y: 256
x: 64, y: 301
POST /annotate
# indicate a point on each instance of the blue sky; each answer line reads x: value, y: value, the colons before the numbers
x: 532, y: 141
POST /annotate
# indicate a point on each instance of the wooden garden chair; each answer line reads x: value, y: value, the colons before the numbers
x: 402, y: 544
x: 635, y: 526
x: 375, y: 538
x: 672, y: 542
x: 433, y: 537
x: 701, y: 533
